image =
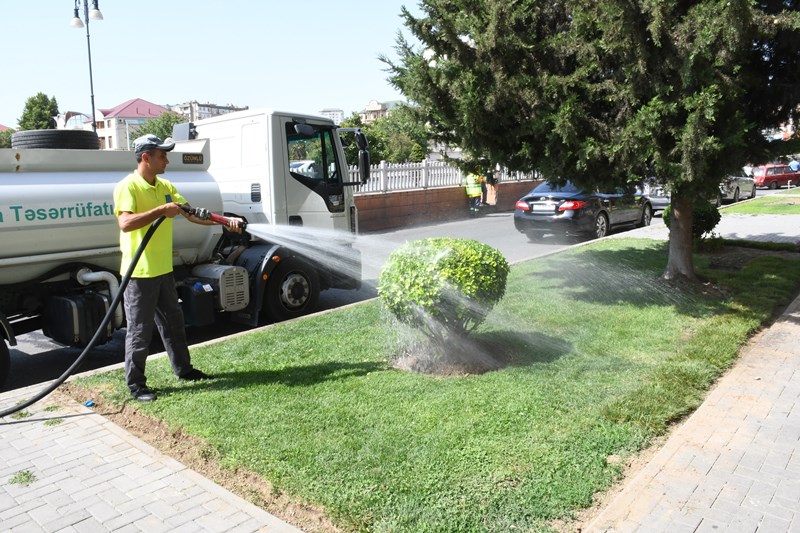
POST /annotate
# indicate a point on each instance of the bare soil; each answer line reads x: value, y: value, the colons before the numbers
x: 734, y: 258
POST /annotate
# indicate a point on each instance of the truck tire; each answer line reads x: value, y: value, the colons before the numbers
x: 5, y: 362
x: 292, y: 290
x: 65, y: 139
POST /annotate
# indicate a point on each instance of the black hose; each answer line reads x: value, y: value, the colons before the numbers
x: 103, y: 325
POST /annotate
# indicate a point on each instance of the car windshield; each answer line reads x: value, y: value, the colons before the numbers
x: 547, y: 187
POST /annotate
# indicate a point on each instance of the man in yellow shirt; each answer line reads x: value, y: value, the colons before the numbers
x: 151, y: 297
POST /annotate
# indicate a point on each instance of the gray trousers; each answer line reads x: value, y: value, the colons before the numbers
x: 148, y: 302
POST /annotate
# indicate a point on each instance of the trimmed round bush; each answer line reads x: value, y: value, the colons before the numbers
x: 443, y: 286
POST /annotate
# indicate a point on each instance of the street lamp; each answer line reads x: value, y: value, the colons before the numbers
x: 77, y: 23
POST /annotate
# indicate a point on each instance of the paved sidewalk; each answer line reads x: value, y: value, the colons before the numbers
x: 90, y: 475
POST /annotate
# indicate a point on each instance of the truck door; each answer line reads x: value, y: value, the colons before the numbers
x: 314, y: 192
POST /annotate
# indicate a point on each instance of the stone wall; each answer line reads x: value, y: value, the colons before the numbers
x: 398, y: 209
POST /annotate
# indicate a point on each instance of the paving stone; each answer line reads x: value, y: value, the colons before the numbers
x: 93, y: 476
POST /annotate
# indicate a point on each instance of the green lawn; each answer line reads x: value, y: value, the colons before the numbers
x: 784, y: 203
x: 603, y: 355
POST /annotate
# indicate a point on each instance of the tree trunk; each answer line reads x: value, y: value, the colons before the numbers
x: 680, y: 262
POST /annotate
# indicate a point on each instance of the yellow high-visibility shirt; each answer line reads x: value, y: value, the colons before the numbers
x: 133, y: 194
x: 473, y: 184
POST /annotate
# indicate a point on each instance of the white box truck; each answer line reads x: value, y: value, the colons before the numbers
x: 59, y: 254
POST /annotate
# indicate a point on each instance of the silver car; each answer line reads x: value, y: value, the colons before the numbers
x: 731, y: 189
x: 735, y: 188
x: 658, y: 194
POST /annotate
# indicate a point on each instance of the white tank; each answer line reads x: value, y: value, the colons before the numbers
x: 56, y: 207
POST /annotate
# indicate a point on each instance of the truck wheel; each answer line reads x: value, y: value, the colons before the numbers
x: 5, y: 362
x: 292, y: 290
x: 65, y: 139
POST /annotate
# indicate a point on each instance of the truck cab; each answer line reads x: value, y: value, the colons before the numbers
x: 285, y: 175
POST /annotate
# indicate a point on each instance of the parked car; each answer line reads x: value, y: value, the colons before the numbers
x: 734, y: 188
x: 731, y: 189
x: 775, y: 175
x: 568, y: 210
x: 657, y: 193
x: 307, y: 167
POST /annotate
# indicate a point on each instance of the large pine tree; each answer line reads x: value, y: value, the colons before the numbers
x: 607, y: 92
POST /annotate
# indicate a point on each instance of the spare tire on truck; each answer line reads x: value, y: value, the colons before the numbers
x: 68, y: 139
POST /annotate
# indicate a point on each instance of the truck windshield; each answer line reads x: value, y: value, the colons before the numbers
x: 313, y: 156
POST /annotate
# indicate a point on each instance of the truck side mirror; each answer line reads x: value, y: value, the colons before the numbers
x: 363, y: 165
x: 184, y: 132
x: 361, y: 140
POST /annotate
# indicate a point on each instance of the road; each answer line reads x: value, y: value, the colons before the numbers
x: 37, y: 359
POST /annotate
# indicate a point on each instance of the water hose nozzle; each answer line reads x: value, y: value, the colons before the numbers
x: 205, y: 214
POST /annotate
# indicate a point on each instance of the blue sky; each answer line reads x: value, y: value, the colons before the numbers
x: 300, y: 56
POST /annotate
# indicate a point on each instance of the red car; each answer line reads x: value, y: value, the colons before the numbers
x: 774, y: 176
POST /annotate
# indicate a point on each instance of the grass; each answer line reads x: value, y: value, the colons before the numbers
x: 23, y: 477
x: 777, y: 204
x: 603, y: 356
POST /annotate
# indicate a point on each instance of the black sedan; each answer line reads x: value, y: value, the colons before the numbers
x: 568, y: 210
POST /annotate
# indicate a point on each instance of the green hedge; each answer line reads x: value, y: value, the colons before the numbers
x: 443, y: 286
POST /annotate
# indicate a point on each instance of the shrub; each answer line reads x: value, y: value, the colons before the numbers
x: 443, y: 286
x: 705, y: 219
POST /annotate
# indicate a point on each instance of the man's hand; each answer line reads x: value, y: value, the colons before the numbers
x: 171, y: 209
x: 235, y: 224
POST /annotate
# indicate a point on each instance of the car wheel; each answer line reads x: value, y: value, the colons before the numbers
x: 736, y: 195
x: 292, y: 290
x: 647, y: 216
x: 718, y: 201
x: 753, y: 193
x: 601, y: 225
x: 773, y: 185
x: 533, y: 236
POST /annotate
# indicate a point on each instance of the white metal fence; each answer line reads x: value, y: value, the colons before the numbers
x: 385, y: 177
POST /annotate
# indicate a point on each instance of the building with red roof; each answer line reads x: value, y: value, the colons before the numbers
x: 115, y: 125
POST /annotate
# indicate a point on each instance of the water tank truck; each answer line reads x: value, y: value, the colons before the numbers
x: 60, y: 259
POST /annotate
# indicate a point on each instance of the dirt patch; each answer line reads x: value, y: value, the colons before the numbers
x: 202, y: 458
x: 735, y: 258
x: 459, y: 357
